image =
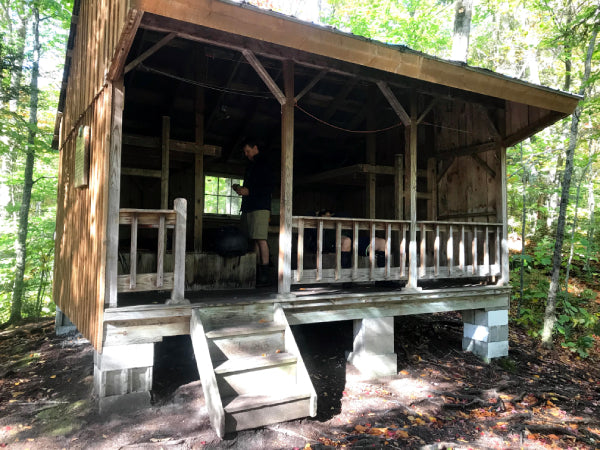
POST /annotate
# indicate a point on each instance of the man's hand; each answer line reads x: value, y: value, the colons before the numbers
x: 243, y: 191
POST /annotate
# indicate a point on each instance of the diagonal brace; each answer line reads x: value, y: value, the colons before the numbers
x: 264, y: 75
x: 394, y: 103
x: 151, y: 51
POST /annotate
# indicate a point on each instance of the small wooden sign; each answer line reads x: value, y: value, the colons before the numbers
x: 82, y: 156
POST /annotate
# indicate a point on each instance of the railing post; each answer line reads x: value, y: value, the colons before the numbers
x: 300, y: 264
x: 177, y: 295
x: 412, y: 246
x: 133, y: 252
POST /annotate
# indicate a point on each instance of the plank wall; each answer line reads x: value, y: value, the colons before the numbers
x: 79, y: 281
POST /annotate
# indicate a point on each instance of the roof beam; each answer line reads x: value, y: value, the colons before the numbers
x: 151, y: 51
x: 311, y: 84
x: 264, y: 75
x: 130, y: 28
x: 394, y: 103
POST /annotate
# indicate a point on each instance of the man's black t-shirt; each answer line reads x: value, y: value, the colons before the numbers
x: 259, y: 181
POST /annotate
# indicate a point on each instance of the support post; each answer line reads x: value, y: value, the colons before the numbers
x: 177, y: 295
x: 373, y: 350
x: 123, y: 377
x: 486, y: 333
x: 412, y: 247
x: 505, y: 269
x: 371, y: 158
x: 199, y: 171
x: 114, y: 194
x: 399, y: 187
x: 287, y: 174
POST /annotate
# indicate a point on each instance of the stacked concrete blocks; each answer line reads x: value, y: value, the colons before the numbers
x: 373, y: 353
x: 123, y: 377
x: 486, y: 333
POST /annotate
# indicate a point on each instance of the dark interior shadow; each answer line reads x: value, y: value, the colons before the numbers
x: 174, y: 366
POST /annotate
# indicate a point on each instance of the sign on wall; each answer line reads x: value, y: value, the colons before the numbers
x: 82, y: 156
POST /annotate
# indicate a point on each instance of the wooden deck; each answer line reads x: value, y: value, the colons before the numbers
x: 145, y: 318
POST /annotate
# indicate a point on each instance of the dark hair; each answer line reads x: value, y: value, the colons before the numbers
x: 250, y: 142
x: 323, y: 212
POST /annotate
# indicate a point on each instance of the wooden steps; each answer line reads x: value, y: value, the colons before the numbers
x: 251, y: 369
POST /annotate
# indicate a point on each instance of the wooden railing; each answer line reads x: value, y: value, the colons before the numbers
x: 162, y: 219
x: 443, y: 250
x: 351, y: 228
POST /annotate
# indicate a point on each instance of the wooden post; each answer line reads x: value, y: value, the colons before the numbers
x: 133, y: 252
x: 371, y: 159
x: 503, y: 219
x: 287, y: 174
x: 300, y: 265
x: 178, y: 293
x: 399, y: 187
x: 338, y: 250
x: 412, y: 248
x: 432, y: 189
x: 114, y: 194
x: 199, y: 171
x: 164, y: 174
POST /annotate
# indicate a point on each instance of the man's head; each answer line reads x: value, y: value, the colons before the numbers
x: 250, y: 149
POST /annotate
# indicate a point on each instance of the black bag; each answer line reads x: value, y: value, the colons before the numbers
x: 231, y: 242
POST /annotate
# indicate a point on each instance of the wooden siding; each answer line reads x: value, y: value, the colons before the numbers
x: 79, y: 272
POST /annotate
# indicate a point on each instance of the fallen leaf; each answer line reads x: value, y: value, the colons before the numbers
x: 360, y: 428
x: 17, y: 394
x: 52, y: 376
x: 377, y: 431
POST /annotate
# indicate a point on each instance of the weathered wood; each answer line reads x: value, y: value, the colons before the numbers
x: 164, y: 177
x: 199, y: 168
x: 412, y: 246
x: 144, y: 282
x: 503, y: 209
x: 146, y: 217
x: 468, y: 150
x: 461, y: 249
x: 151, y: 51
x: 395, y: 104
x: 474, y: 250
x: 483, y: 164
x: 212, y: 396
x: 338, y: 249
x: 127, y: 35
x: 423, y: 250
x: 319, y: 263
x: 436, y: 251
x: 426, y: 111
x: 141, y: 172
x: 342, y: 172
x: 264, y: 75
x: 486, y: 249
x: 160, y: 252
x: 178, y: 292
x: 300, y: 265
x: 287, y: 180
x: 432, y: 188
x: 399, y: 187
x: 388, y: 250
x: 133, y: 252
x: 450, y: 249
x: 403, y: 251
x: 114, y: 193
x: 372, y: 250
x: 174, y: 145
x: 354, y: 250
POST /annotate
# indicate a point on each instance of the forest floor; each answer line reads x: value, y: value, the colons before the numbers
x: 441, y: 398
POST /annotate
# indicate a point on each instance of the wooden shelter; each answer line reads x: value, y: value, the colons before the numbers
x: 156, y: 100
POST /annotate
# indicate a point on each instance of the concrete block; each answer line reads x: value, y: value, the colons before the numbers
x: 374, y: 366
x: 486, y: 350
x: 62, y: 324
x: 486, y: 334
x: 375, y: 336
x: 124, y: 403
x: 125, y: 357
x: 486, y: 318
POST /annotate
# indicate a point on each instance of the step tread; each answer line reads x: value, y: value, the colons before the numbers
x: 254, y: 362
x: 253, y: 401
x: 245, y: 330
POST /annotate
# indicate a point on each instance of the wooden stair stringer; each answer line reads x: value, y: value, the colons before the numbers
x: 212, y: 397
x: 291, y: 347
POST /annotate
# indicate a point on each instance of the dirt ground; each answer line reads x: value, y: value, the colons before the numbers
x: 441, y: 397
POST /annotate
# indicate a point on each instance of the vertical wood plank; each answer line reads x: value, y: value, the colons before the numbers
x: 287, y: 179
x: 423, y: 250
x: 354, y: 250
x: 178, y: 293
x: 436, y: 251
x: 498, y: 258
x: 114, y: 194
x: 199, y: 156
x: 504, y: 218
x: 133, y: 252
x: 486, y: 251
x: 164, y: 175
x: 450, y: 250
x: 160, y: 252
x: 388, y: 249
x: 399, y: 187
x: 412, y: 248
x: 372, y: 251
x: 402, y: 250
x: 474, y: 250
x: 319, y: 250
x: 461, y: 249
x: 338, y: 250
x: 300, y: 266
x: 432, y: 188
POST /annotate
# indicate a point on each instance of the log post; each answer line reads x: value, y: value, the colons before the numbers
x: 287, y: 173
x: 177, y: 295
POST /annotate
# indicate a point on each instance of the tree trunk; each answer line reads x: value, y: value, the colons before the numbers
x: 590, y: 230
x: 21, y: 243
x: 550, y: 313
x: 462, y: 30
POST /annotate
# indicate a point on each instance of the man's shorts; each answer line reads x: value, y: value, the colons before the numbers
x: 255, y: 224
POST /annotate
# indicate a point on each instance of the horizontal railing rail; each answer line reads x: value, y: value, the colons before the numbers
x: 444, y: 249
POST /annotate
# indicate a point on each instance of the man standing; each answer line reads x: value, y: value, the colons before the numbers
x: 256, y: 206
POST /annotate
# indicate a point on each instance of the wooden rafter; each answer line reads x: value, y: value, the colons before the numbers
x: 125, y: 41
x: 483, y: 164
x: 429, y: 107
x: 339, y: 99
x: 264, y: 75
x: 312, y: 83
x: 468, y: 150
